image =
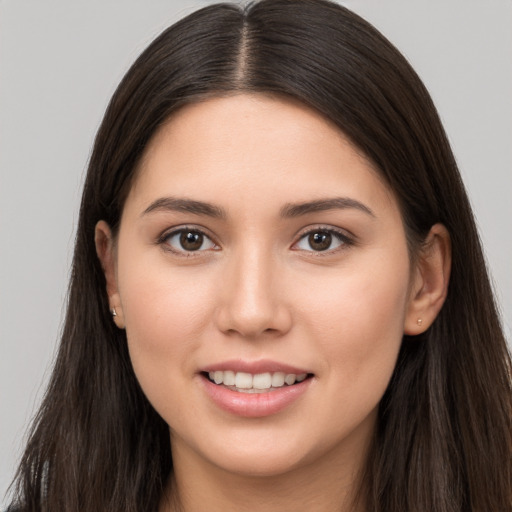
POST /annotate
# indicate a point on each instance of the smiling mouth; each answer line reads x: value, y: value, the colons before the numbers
x: 244, y: 382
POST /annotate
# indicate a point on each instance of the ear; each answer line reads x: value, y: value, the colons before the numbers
x: 105, y: 249
x: 430, y: 281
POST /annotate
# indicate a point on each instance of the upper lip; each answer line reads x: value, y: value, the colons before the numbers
x: 253, y: 367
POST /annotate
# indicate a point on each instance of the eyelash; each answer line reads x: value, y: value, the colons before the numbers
x: 344, y: 240
x: 163, y: 240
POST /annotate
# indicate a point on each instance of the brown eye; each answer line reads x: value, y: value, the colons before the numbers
x: 320, y: 241
x: 188, y: 240
x: 191, y: 240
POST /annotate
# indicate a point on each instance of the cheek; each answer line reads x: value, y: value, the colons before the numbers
x: 357, y: 318
x: 165, y: 313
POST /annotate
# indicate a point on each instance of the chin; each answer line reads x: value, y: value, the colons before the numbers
x: 260, y: 465
x: 267, y: 451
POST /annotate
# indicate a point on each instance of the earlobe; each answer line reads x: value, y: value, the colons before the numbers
x: 105, y: 249
x: 430, y: 284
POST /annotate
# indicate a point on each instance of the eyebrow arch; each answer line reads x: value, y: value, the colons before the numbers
x: 320, y: 205
x: 185, y: 205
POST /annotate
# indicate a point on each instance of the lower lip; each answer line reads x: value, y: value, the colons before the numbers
x: 254, y: 405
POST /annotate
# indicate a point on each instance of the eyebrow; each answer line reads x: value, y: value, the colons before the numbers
x: 289, y: 210
x: 185, y: 205
x: 321, y: 205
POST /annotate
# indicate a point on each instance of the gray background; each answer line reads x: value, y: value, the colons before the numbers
x: 59, y: 64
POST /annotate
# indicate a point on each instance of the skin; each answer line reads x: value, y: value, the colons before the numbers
x: 257, y: 289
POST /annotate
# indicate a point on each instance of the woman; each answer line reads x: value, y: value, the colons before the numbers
x: 278, y: 299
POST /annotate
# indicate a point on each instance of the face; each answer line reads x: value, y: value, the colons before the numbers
x: 262, y: 274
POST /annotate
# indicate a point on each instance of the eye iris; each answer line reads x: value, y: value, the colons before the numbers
x: 320, y: 241
x: 191, y: 241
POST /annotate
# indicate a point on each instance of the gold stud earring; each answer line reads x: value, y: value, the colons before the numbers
x: 113, y: 312
x: 419, y: 321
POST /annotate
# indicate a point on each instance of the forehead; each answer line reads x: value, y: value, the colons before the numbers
x: 238, y: 146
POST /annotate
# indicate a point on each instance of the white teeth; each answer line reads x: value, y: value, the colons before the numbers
x: 255, y: 383
x: 278, y: 379
x: 229, y: 378
x: 290, y: 379
x: 243, y: 380
x: 262, y: 381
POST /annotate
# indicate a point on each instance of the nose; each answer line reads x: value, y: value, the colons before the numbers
x: 253, y: 302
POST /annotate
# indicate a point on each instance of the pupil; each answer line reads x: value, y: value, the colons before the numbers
x: 191, y: 241
x: 320, y: 241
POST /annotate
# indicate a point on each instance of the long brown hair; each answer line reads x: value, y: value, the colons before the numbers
x: 443, y: 439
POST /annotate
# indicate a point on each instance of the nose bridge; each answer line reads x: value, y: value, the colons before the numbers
x: 251, y: 305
